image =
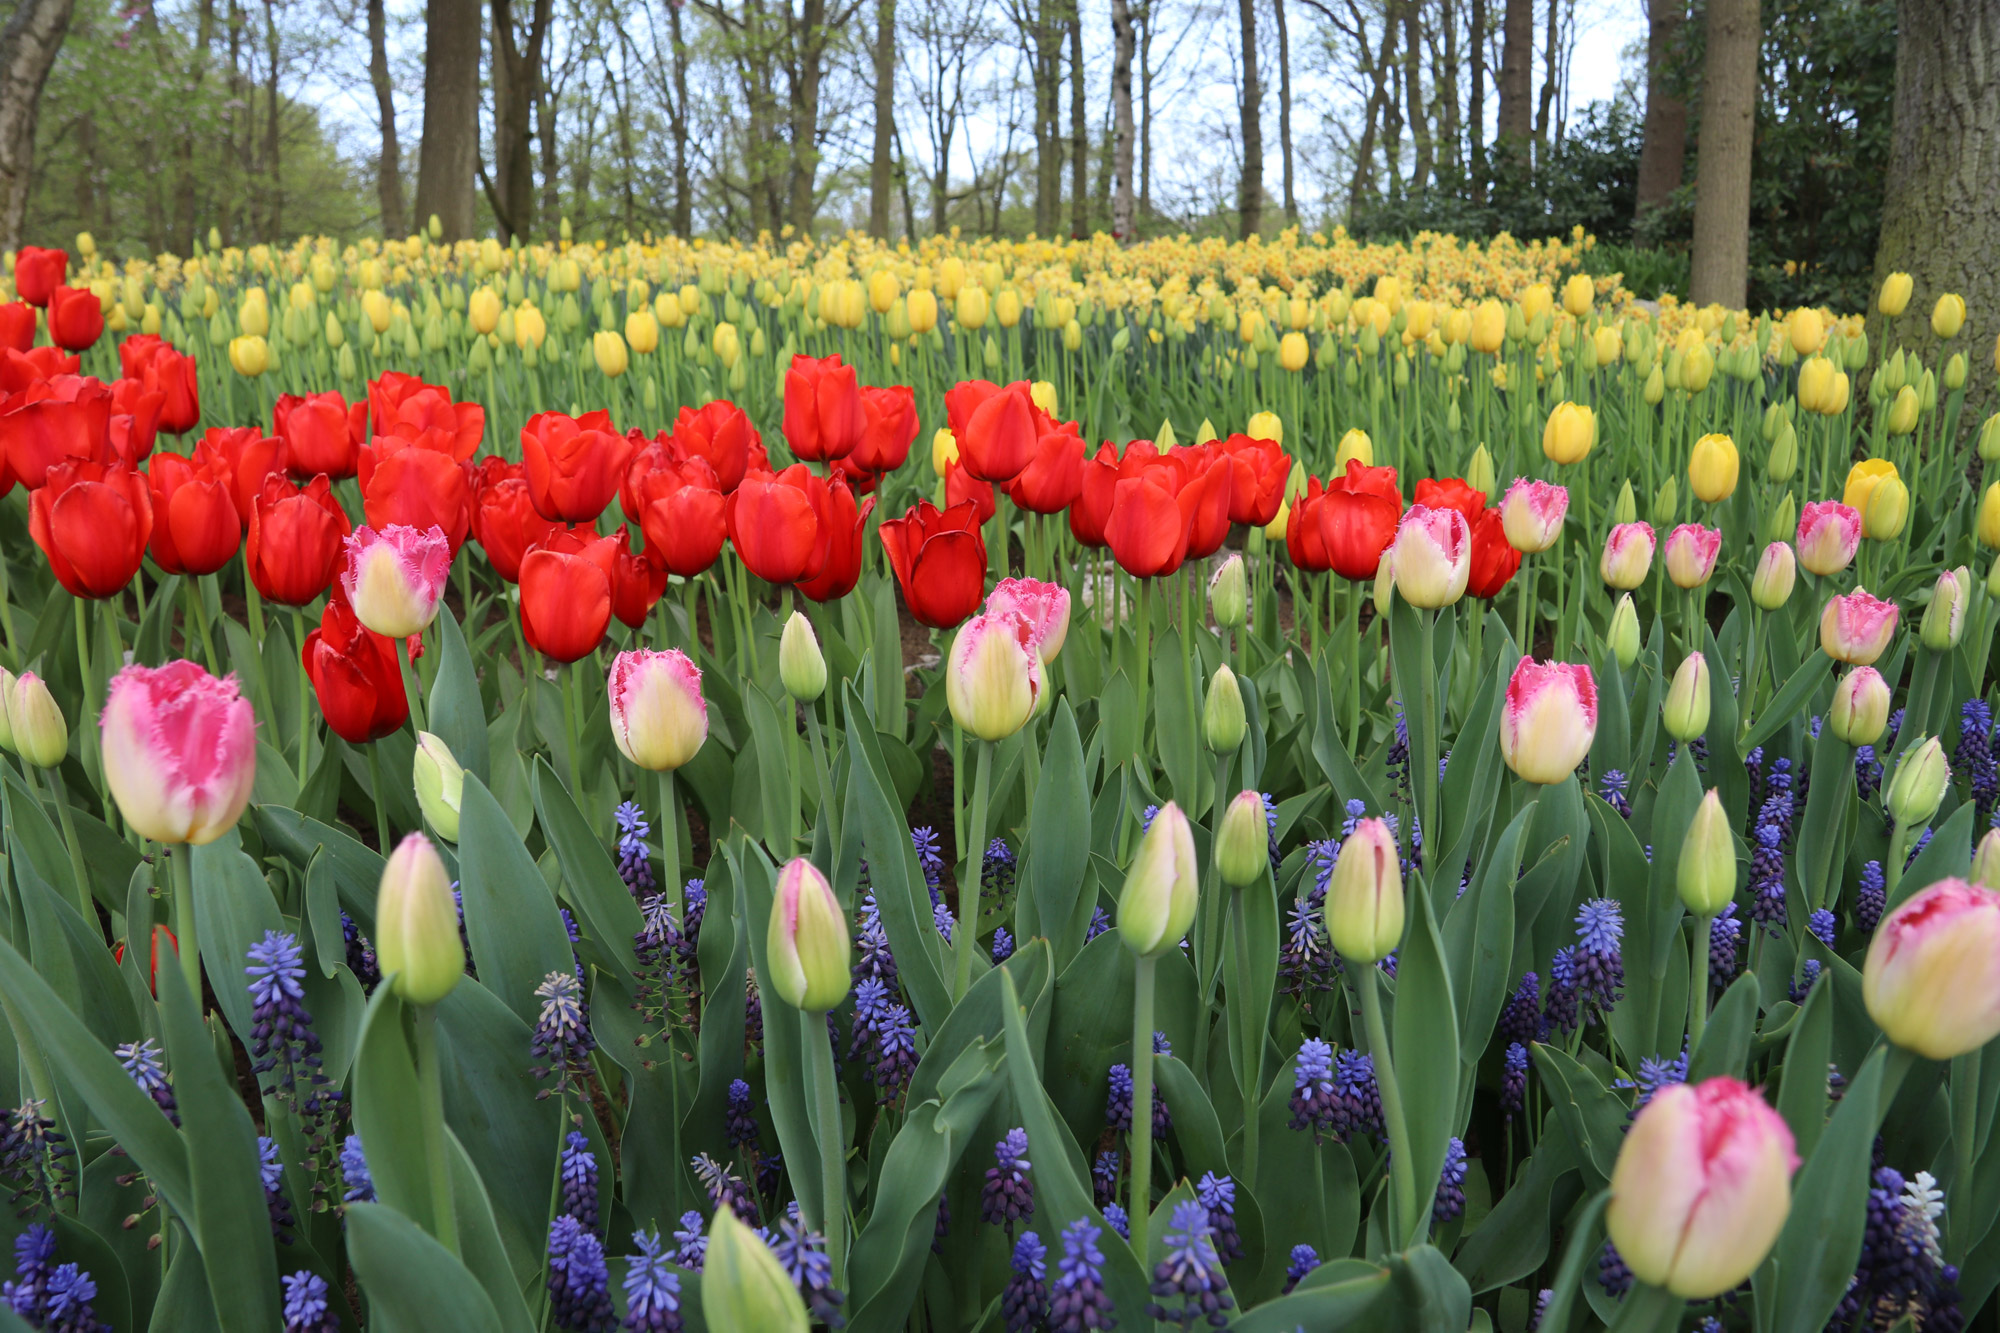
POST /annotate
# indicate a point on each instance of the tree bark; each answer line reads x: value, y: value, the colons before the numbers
x: 1517, y: 60
x: 1121, y: 119
x: 1941, y: 195
x: 881, y: 169
x: 1721, y: 263
x: 517, y: 85
x: 1663, y: 153
x: 808, y: 72
x: 1413, y: 95
x: 1079, y: 128
x: 1046, y: 66
x: 1285, y: 112
x: 1250, y: 193
x: 388, y: 162
x: 274, y: 217
x: 1146, y: 108
x: 185, y: 196
x: 1475, y: 103
x: 678, y: 126
x: 448, y: 157
x: 28, y: 46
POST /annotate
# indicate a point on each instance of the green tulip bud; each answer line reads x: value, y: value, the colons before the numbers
x: 1918, y: 787
x: 1364, y: 897
x: 1655, y: 388
x: 1222, y: 721
x: 1954, y: 372
x: 1479, y: 474
x: 801, y: 665
x: 1229, y: 594
x: 1158, y: 903
x: 1706, y: 876
x: 1989, y: 439
x: 1986, y: 861
x: 807, y: 949
x: 1623, y: 632
x: 1860, y: 711
x: 1686, y: 709
x: 416, y: 924
x: 39, y: 733
x: 744, y: 1289
x: 1784, y: 458
x: 1242, y: 847
x: 1784, y: 520
x: 1855, y: 350
x: 1944, y: 618
x: 6, y: 689
x: 1665, y: 501
x: 1385, y: 586
x: 1626, y: 510
x: 440, y: 784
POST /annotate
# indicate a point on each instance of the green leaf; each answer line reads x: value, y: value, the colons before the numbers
x: 1584, y: 1239
x: 1817, y: 1251
x: 517, y: 936
x: 1590, y: 1114
x: 1725, y: 1042
x: 409, y: 1278
x: 1513, y: 1240
x: 1425, y: 1041
x: 1802, y: 1088
x: 590, y: 877
x: 1330, y: 1306
x: 479, y: 1241
x: 1947, y: 855
x: 385, y: 1110
x: 36, y: 838
x: 454, y: 710
x: 154, y: 646
x: 356, y: 869
x: 233, y: 909
x: 1436, y: 1298
x: 1788, y: 702
x: 1479, y: 942
x: 1196, y: 1130
x: 1176, y: 720
x: 1058, y: 838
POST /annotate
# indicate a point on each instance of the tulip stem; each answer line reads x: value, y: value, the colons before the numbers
x: 198, y: 613
x: 1649, y: 1309
x: 1402, y: 1169
x: 305, y: 693
x: 670, y: 842
x: 1965, y: 1079
x: 444, y: 1215
x: 1698, y: 991
x: 381, y: 805
x: 832, y: 1141
x: 1254, y: 1011
x: 88, y: 733
x: 569, y: 731
x: 820, y: 773
x: 180, y: 864
x: 1140, y: 1209
x: 965, y: 932
x: 1892, y: 871
x: 411, y: 689
x: 83, y: 899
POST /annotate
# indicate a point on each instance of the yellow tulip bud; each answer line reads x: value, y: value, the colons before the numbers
x: 1894, y: 297
x: 944, y: 450
x: 1354, y: 444
x: 1948, y: 315
x: 642, y: 331
x: 378, y: 309
x: 482, y: 310
x: 1570, y: 432
x: 609, y: 349
x: 416, y: 924
x: 249, y: 355
x: 1265, y: 426
x: 1807, y: 330
x: 923, y: 309
x: 971, y: 306
x: 1712, y: 468
x: 1903, y: 411
x: 1489, y: 326
x: 1579, y: 294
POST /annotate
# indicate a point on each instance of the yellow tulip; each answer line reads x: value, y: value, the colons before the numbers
x: 530, y: 328
x: 482, y: 310
x: 249, y: 355
x: 1537, y: 300
x: 1608, y: 346
x: 254, y: 316
x: 1807, y: 330
x: 1815, y: 384
x: 667, y: 309
x: 944, y: 450
x: 1355, y: 444
x: 1265, y: 426
x: 883, y: 289
x: 642, y: 331
x: 1579, y: 294
x: 377, y: 308
x: 727, y: 344
x: 1894, y: 297
x: 970, y: 307
x: 609, y: 349
x: 1989, y: 518
x: 1569, y: 434
x: 1888, y: 510
x: 1712, y: 468
x: 1862, y: 479
x: 1903, y: 411
x: 923, y: 310
x: 1293, y: 351
x: 1457, y: 326
x: 1489, y: 326
x: 1389, y: 292
x: 950, y: 277
x: 1948, y: 315
x: 1007, y: 307
x: 1044, y: 395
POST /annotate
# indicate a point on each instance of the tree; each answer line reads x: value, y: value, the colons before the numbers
x: 881, y: 167
x: 1941, y: 205
x: 1517, y: 60
x: 1079, y: 127
x: 28, y: 46
x: 1250, y: 191
x: 1122, y: 45
x: 1664, y: 156
x: 1285, y: 111
x: 517, y: 89
x: 448, y: 157
x: 1721, y: 261
x: 388, y: 159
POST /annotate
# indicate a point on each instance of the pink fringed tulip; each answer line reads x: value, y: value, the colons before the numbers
x: 1628, y: 555
x: 1549, y: 719
x: 1856, y: 628
x: 1532, y: 514
x: 993, y: 675
x: 1829, y: 535
x: 1431, y: 556
x: 806, y: 945
x: 1044, y: 606
x: 1702, y: 1187
x: 1691, y: 552
x: 1364, y: 897
x: 1932, y: 977
x: 395, y: 577
x: 180, y: 751
x: 658, y: 717
x: 1860, y: 711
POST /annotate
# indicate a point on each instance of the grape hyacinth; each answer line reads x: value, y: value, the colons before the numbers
x: 1654, y: 1073
x: 656, y: 945
x: 1870, y: 898
x: 1305, y: 961
x: 998, y: 868
x: 1559, y: 1013
x: 739, y: 1121
x: 1521, y: 1016
x: 272, y: 1172
x: 1270, y: 828
x: 307, y: 1307
x: 802, y: 1254
x: 635, y: 867
x: 943, y: 920
x: 930, y: 859
x: 1191, y: 1273
x: 141, y: 1060
x: 1334, y: 1094
x: 1398, y: 758
x: 1218, y: 1195
x: 1104, y: 1177
x: 1599, y: 961
x: 725, y: 1189
x: 1003, y: 945
x: 895, y: 1051
x: 358, y: 1185
x: 34, y: 1261
x: 1100, y: 921
x: 1450, y: 1201
x: 1077, y: 1300
x: 577, y: 1170
x: 694, y: 905
x: 1025, y: 1302
x: 1822, y: 924
x: 1867, y: 772
x: 1117, y: 1219
x: 579, y: 1283
x: 1974, y: 756
x: 652, y: 1290
x: 562, y: 1040
x: 871, y: 945
x: 1008, y: 1195
x: 1901, y: 1272
x: 691, y: 1242
x: 282, y: 1040
x: 1514, y: 1080
x: 1723, y: 932
x: 1612, y: 788
x: 1796, y: 991
x: 1612, y: 1274
x: 360, y: 954
x: 1304, y: 1258
x: 1118, y: 1104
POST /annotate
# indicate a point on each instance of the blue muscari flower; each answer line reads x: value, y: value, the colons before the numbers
x: 930, y: 859
x: 1161, y: 1046
x: 34, y: 1262
x: 871, y: 945
x: 1450, y: 1200
x: 1104, y: 1176
x: 1270, y: 828
x: 1003, y: 945
x: 359, y: 1185
x: 1314, y: 1105
x: 895, y: 1050
x: 1599, y: 957
x: 739, y: 1120
x: 1895, y: 727
x: 1821, y: 923
x: 1304, y: 1259
x: 997, y: 867
x: 1612, y: 788
x: 142, y: 1061
x: 1100, y: 921
x: 271, y: 1172
x: 1116, y: 1218
x: 1559, y: 1013
x: 1025, y: 1302
x: 1767, y: 871
x: 1753, y: 764
x: 652, y: 1290
x: 1723, y: 933
x: 579, y: 1283
x: 1653, y: 1074
x: 1008, y: 1195
x: 71, y: 1290
x: 1191, y: 1272
x: 1542, y: 1299
x: 635, y: 865
x: 360, y: 954
x: 1813, y: 725
x: 1796, y: 991
x: 1521, y: 1017
x: 1871, y: 898
x: 1306, y: 958
x: 725, y: 1189
x: 942, y: 918
x: 1514, y: 1080
x: 802, y: 1254
x: 1078, y: 1300
x: 307, y: 1307
x: 871, y: 1003
x: 562, y: 1039
x: 691, y: 1242
x: 1902, y: 1270
x: 1612, y: 1274
x: 282, y: 1040
x: 1146, y: 817
x: 1355, y: 810
x: 1218, y: 1195
x: 1974, y: 755
x: 577, y: 1169
x: 1867, y: 771
x: 1118, y: 1104
x: 1923, y: 841
x: 694, y: 899
x: 657, y: 947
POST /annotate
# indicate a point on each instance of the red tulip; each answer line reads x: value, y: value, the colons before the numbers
x: 1149, y: 524
x: 92, y: 521
x: 841, y: 529
x: 636, y: 583
x: 996, y: 427
x: 76, y: 320
x: 296, y: 537
x: 824, y: 415
x: 18, y: 370
x: 1355, y: 520
x: 1305, y: 540
x: 1205, y: 498
x: 892, y: 427
x: 1258, y: 488
x: 721, y: 432
x: 1091, y: 509
x: 940, y: 562
x: 407, y: 481
x: 322, y: 433
x: 17, y: 325
x: 566, y: 582
x: 778, y: 524
x: 1494, y: 558
x: 682, y: 514
x: 355, y: 675
x: 404, y: 405
x: 1449, y: 493
x: 244, y: 455
x: 961, y: 487
x: 68, y: 417
x: 195, y: 529
x: 573, y: 464
x: 504, y: 521
x: 1053, y: 479
x: 135, y: 419
x: 38, y: 272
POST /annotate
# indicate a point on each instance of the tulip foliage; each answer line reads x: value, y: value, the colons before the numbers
x: 586, y: 832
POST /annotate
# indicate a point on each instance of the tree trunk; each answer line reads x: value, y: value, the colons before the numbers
x: 1517, y: 60
x: 1721, y: 267
x: 1546, y: 130
x: 1413, y: 95
x: 1146, y: 108
x: 185, y: 196
x: 517, y: 85
x: 1663, y: 154
x: 1079, y: 129
x: 1250, y: 193
x: 1941, y: 192
x: 683, y: 187
x: 389, y: 162
x: 1285, y: 112
x: 273, y: 139
x: 28, y: 46
x: 448, y: 158
x: 808, y: 71
x: 1475, y: 103
x: 881, y: 170
x: 1046, y: 69
x: 1121, y: 119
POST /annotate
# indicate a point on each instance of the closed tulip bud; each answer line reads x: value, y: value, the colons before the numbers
x: 1702, y: 1187
x: 1432, y: 556
x: 417, y: 944
x: 1856, y: 628
x: 1777, y: 572
x: 1043, y: 392
x: 1625, y: 508
x: 6, y: 729
x: 1806, y: 330
x: 992, y: 679
x: 40, y: 735
x: 1918, y: 787
x: 1783, y: 461
x: 249, y: 355
x: 1686, y: 709
x: 394, y: 578
x: 1931, y: 980
x: 1353, y: 445
x: 1385, y: 581
x: 1816, y: 383
x: 1948, y: 315
x: 1986, y: 861
x: 1265, y: 426
x: 440, y: 784
x: 1222, y: 721
x: 180, y: 751
x: 1569, y: 433
x: 1479, y: 474
x: 1887, y: 512
x: 1903, y: 411
x: 1712, y: 468
x: 1944, y: 618
x: 642, y: 332
x: 801, y: 665
x: 659, y: 719
x: 1666, y: 502
x: 1894, y: 297
x: 1691, y: 554
x: 807, y: 947
x: 1364, y: 895
x: 1622, y: 634
x: 609, y: 350
x: 1532, y: 513
x: 1549, y: 720
x: 1954, y: 372
x: 1242, y: 846
x: 482, y: 310
x: 1989, y: 518
x: 1158, y: 903
x: 1655, y: 387
x: 1706, y: 876
x: 1628, y: 555
x: 1228, y: 594
x: 1782, y: 520
x: 1860, y: 711
x: 744, y: 1289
